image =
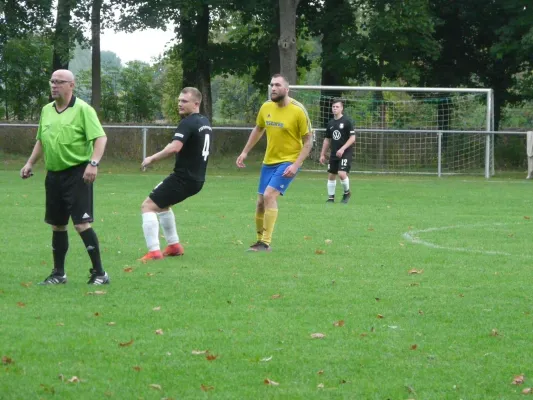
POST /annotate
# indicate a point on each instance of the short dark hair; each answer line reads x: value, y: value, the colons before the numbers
x: 195, y: 93
x: 281, y: 76
x: 337, y: 100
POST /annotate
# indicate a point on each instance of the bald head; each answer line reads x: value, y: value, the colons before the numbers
x: 63, y: 74
x: 62, y: 86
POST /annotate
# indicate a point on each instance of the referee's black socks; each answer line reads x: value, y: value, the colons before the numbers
x: 59, y: 250
x: 93, y: 248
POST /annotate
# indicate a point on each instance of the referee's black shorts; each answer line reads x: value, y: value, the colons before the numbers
x: 174, y: 190
x: 67, y: 195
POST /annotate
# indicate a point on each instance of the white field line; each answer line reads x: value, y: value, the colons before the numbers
x: 412, y: 236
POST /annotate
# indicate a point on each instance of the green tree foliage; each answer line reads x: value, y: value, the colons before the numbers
x: 482, y: 44
x: 169, y: 81
x: 25, y: 63
x: 391, y: 40
x: 139, y: 99
x: 236, y: 99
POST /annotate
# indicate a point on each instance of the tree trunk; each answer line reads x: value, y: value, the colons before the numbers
x: 61, y: 55
x: 287, y: 39
x: 203, y: 61
x: 95, y: 59
x: 194, y: 32
x: 274, y: 60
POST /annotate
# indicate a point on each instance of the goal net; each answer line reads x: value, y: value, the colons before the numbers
x: 407, y: 130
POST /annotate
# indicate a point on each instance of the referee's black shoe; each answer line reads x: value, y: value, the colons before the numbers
x: 54, y: 279
x: 345, y: 197
x: 96, y: 279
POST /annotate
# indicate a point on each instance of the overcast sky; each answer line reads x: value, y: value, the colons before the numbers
x: 140, y: 45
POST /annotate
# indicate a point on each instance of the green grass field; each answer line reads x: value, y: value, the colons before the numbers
x: 421, y: 286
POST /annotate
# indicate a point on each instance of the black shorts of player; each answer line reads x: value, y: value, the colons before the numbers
x: 174, y: 190
x: 344, y: 164
x: 68, y: 196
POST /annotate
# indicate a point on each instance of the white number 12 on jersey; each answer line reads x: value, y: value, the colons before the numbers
x: 205, y: 150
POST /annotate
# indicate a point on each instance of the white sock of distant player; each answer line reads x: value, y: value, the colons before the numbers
x: 151, y: 230
x: 168, y: 223
x: 346, y: 184
x: 331, y: 187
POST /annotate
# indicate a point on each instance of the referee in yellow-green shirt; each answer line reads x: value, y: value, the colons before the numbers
x: 289, y: 142
x: 72, y: 141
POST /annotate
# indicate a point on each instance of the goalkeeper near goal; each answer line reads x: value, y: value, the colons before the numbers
x: 340, y: 136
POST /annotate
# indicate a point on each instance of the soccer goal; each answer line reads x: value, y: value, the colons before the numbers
x: 408, y: 130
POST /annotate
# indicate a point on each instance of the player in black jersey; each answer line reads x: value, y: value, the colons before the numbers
x: 340, y: 135
x: 190, y: 144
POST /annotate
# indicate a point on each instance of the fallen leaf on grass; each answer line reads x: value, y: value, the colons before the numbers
x: 318, y: 336
x: 414, y: 271
x: 276, y: 296
x: 126, y: 344
x: 96, y: 314
x: 210, y: 357
x: 128, y: 269
x: 307, y: 237
x: 25, y: 284
x: 328, y: 241
x: 270, y: 382
x: 527, y: 391
x: 60, y: 324
x: 21, y: 304
x: 518, y: 380
x: 74, y: 379
x: 96, y: 292
x: 321, y: 372
x: 159, y: 332
x: 380, y: 316
x: 155, y: 386
x: 526, y: 217
x: 206, y: 388
x: 339, y: 323
x: 149, y: 274
x: 421, y: 312
x: 7, y: 360
x: 266, y: 359
x: 318, y: 251
x: 414, y: 347
x: 48, y: 389
x: 494, y: 332
x: 156, y: 308
x: 198, y: 352
x: 137, y: 368
x: 111, y: 323
x: 320, y: 386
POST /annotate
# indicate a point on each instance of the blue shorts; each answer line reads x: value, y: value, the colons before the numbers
x: 272, y: 175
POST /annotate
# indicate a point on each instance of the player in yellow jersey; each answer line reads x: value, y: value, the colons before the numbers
x: 289, y: 142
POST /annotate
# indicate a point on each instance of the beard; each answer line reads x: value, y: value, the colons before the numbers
x: 278, y: 98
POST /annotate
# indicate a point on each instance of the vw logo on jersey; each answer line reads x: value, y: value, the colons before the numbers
x: 336, y: 135
x: 341, y: 126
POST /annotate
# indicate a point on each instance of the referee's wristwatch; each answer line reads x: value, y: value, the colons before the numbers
x: 94, y: 163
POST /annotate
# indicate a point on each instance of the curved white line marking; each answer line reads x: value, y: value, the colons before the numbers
x: 411, y: 236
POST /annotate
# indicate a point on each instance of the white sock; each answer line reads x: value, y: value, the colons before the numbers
x: 151, y: 230
x: 331, y: 187
x: 168, y: 223
x: 346, y: 184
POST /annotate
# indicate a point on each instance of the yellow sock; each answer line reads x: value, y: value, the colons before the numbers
x: 271, y: 214
x: 259, y: 218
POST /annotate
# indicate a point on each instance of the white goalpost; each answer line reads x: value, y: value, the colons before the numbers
x: 408, y: 130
